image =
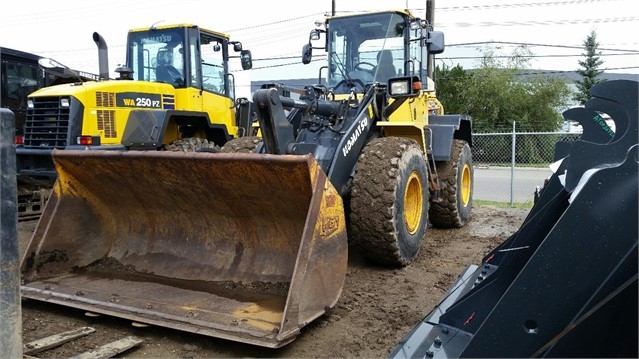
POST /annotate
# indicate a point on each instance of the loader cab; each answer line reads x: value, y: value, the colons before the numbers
x: 374, y: 47
x: 20, y: 75
x: 185, y: 56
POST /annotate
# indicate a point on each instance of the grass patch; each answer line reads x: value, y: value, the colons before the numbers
x: 525, y: 205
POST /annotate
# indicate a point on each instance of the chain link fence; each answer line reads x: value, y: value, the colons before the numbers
x: 510, y: 166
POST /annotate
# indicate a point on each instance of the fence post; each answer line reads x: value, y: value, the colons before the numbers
x: 512, y: 168
x: 10, y: 307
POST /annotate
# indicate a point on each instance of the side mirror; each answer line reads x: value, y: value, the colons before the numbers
x: 246, y: 59
x: 307, y: 54
x: 217, y: 47
x: 435, y: 42
x: 237, y: 47
x: 315, y: 34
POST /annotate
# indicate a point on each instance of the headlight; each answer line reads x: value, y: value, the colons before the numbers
x: 64, y: 102
x: 30, y: 104
x: 399, y: 88
x: 405, y: 86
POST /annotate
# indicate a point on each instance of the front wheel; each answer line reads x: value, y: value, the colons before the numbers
x: 247, y: 144
x: 456, y: 180
x: 192, y: 144
x: 389, y: 201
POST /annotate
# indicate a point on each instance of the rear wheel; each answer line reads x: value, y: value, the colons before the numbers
x: 389, y: 201
x: 247, y: 144
x: 192, y: 144
x: 456, y: 179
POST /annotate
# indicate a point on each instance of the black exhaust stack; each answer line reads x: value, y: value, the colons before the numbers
x: 103, y: 56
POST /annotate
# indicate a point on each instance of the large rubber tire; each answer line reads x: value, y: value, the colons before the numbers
x: 247, y: 144
x: 457, y: 181
x: 192, y: 144
x: 389, y: 201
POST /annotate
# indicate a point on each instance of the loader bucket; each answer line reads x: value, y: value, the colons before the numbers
x: 244, y: 247
x: 569, y: 270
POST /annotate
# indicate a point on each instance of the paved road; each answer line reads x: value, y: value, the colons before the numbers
x: 494, y: 183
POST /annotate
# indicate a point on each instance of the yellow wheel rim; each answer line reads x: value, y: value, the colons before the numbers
x: 413, y: 203
x: 465, y: 185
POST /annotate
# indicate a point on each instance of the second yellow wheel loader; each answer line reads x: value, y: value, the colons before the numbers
x: 251, y: 244
x: 175, y: 92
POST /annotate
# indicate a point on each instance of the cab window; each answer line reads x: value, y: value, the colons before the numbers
x: 213, y: 66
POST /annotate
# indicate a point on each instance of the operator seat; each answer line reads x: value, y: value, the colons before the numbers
x: 385, y: 68
x: 165, y: 72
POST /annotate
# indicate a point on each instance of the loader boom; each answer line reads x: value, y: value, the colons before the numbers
x: 342, y: 128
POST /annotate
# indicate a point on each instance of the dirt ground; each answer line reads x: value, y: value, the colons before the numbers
x: 378, y: 306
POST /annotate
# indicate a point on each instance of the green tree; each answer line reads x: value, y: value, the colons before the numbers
x: 451, y: 88
x: 589, y: 70
x: 499, y: 91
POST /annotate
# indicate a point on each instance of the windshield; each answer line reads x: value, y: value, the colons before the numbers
x: 365, y: 49
x: 157, y: 56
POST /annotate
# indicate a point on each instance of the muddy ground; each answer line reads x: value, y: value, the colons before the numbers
x: 378, y: 306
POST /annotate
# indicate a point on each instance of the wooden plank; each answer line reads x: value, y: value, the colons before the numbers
x: 111, y: 349
x: 53, y: 341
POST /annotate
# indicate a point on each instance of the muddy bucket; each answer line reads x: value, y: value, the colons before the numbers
x: 245, y: 247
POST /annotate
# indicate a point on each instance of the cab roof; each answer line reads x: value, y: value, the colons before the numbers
x: 181, y: 26
x: 404, y: 12
x: 5, y: 51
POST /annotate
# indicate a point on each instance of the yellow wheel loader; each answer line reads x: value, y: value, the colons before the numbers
x: 175, y: 92
x: 251, y: 243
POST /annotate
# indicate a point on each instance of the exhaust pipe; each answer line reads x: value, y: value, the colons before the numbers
x: 103, y: 56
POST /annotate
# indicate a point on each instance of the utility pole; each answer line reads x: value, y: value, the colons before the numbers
x: 430, y: 18
x: 333, y: 8
x: 10, y: 306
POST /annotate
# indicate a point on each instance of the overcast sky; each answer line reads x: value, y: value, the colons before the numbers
x: 63, y: 29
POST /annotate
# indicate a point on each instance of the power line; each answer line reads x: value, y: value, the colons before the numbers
x: 292, y: 31
x: 549, y: 72
x: 530, y: 56
x: 635, y: 53
x: 281, y: 65
x: 523, y: 73
x: 542, y: 23
x: 494, y: 6
x: 465, y: 44
x: 522, y: 5
x: 277, y: 22
x: 575, y: 71
x: 532, y: 45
